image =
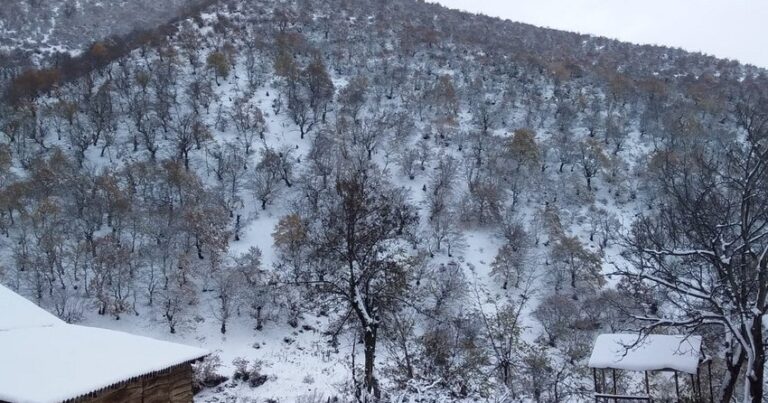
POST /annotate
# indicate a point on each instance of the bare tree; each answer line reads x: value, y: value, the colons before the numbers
x: 356, y: 260
x: 706, y: 248
x: 511, y: 259
x: 249, y: 123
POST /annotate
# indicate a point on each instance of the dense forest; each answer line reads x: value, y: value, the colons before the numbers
x: 359, y: 200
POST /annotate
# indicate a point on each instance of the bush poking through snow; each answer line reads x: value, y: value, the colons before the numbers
x: 251, y: 374
x: 241, y: 368
x: 206, y: 375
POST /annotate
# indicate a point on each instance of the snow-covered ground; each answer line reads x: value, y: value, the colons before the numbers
x: 298, y: 360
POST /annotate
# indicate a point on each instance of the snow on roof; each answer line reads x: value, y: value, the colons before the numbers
x: 17, y: 312
x: 44, y: 360
x: 653, y: 353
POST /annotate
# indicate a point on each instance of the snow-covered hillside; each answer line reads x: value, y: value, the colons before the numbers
x: 359, y: 198
x: 69, y: 25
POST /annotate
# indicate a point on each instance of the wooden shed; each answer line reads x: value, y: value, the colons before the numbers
x: 43, y: 359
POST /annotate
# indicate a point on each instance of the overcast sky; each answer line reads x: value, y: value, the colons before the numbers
x: 734, y: 29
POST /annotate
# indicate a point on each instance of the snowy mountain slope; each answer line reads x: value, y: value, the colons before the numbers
x: 135, y: 193
x: 68, y: 26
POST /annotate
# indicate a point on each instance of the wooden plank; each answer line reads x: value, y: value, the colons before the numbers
x: 172, y: 385
x: 181, y: 389
x: 157, y: 389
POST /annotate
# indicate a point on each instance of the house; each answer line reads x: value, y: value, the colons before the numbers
x: 671, y: 355
x: 43, y: 359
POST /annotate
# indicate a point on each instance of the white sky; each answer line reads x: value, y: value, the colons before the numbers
x: 734, y: 29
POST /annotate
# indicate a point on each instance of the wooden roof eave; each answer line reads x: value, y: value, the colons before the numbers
x: 96, y: 392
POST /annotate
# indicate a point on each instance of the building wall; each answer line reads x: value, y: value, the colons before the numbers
x: 174, y: 385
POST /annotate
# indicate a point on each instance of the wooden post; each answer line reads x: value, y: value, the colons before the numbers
x: 602, y: 381
x: 698, y: 384
x: 693, y: 388
x: 594, y: 377
x: 677, y: 387
x: 614, y: 382
x: 647, y: 385
x: 597, y: 384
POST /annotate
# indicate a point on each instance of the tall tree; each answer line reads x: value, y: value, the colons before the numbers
x: 355, y: 243
x: 706, y: 248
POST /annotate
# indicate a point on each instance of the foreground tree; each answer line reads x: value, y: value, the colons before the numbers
x: 355, y: 246
x: 706, y: 249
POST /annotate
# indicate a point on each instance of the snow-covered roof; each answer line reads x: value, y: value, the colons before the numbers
x: 17, y: 312
x: 651, y: 353
x: 43, y: 359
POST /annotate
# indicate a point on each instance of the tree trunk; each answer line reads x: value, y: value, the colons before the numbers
x: 755, y: 374
x: 259, y: 325
x: 369, y: 340
x: 731, y: 375
x: 199, y: 248
x: 573, y: 277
